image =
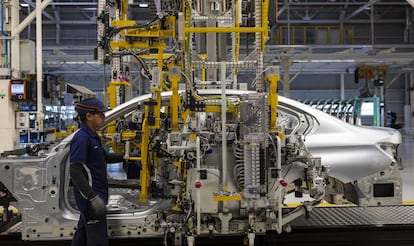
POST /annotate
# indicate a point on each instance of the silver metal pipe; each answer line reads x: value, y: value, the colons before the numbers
x: 342, y: 86
x: 372, y: 25
x: 198, y: 190
x: 223, y: 123
x: 39, y: 63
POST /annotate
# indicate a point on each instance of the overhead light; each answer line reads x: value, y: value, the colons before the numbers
x: 411, y: 2
x: 323, y: 61
x: 143, y: 5
x: 24, y: 5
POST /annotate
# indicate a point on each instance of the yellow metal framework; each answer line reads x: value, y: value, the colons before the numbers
x: 146, y: 37
x: 144, y: 174
x: 135, y: 37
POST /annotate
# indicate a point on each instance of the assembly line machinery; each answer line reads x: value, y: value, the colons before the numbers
x: 212, y: 159
x: 249, y: 143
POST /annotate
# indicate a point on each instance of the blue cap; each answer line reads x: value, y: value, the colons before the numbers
x: 90, y: 105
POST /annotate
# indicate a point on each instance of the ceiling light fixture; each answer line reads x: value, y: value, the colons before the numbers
x: 411, y: 2
x: 143, y: 5
x: 324, y: 61
x: 24, y: 5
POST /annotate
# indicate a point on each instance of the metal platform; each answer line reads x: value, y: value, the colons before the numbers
x: 332, y: 225
x: 335, y: 217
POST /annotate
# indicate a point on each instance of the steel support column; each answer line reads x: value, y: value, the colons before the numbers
x: 411, y: 112
x: 286, y: 77
x: 342, y: 85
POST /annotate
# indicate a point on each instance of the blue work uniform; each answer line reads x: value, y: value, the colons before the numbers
x: 86, y: 148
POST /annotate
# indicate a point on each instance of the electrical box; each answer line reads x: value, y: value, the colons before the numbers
x: 27, y: 56
x: 20, y: 90
x: 156, y: 77
x: 38, y: 125
x: 22, y: 120
x: 137, y: 117
x: 210, y: 182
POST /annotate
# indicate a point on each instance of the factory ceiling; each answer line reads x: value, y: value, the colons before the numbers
x: 69, y: 34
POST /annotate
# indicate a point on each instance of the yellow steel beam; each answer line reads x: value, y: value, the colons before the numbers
x: 217, y: 109
x: 132, y: 158
x: 237, y: 197
x: 151, y: 33
x: 127, y: 135
x: 185, y: 114
x: 156, y: 109
x: 124, y: 9
x: 175, y: 98
x: 144, y: 174
x: 327, y: 204
x: 123, y: 23
x: 137, y: 44
x: 112, y: 92
x: 237, y: 24
x: 171, y: 23
x: 176, y: 205
x: 112, y: 95
x: 160, y: 62
x: 273, y: 101
x: 265, y: 35
x: 203, y: 70
x: 155, y: 56
x: 166, y: 30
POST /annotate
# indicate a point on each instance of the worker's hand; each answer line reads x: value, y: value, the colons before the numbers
x: 98, y: 207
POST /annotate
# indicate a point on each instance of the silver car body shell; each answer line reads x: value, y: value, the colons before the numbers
x: 352, y: 152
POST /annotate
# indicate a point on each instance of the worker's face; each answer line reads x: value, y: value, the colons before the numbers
x: 95, y: 119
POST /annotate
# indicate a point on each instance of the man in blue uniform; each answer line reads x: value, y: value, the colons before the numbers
x: 89, y: 176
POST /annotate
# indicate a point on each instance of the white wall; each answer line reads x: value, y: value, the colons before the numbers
x: 8, y: 133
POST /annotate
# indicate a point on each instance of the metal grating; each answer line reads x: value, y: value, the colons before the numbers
x: 17, y: 228
x: 357, y: 216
